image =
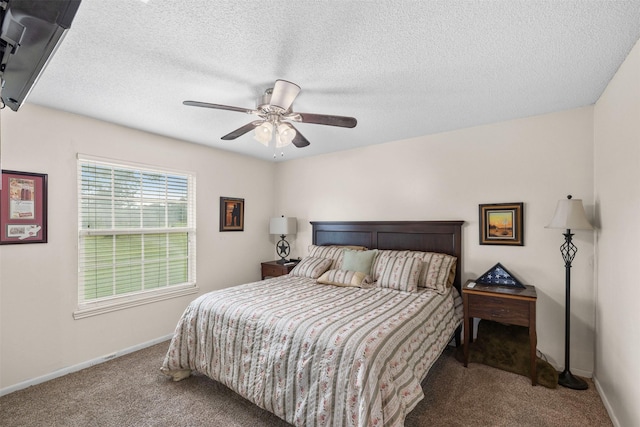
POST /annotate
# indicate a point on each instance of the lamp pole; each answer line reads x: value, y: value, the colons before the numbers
x: 566, y: 378
x: 569, y: 216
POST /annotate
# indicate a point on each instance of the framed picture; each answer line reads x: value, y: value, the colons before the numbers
x: 231, y: 214
x: 23, y: 208
x: 501, y: 224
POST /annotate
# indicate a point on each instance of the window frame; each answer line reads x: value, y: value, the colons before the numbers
x: 92, y: 307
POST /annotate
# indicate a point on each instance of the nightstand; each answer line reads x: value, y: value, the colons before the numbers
x: 273, y: 269
x: 513, y: 306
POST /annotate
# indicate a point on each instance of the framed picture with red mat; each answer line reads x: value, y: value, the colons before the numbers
x: 23, y: 208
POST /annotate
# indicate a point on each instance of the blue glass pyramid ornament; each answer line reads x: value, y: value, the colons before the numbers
x: 499, y: 276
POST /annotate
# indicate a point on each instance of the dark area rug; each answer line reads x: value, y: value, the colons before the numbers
x: 507, y: 347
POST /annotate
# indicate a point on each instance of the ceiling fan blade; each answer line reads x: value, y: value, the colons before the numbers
x: 283, y: 94
x: 299, y: 140
x: 323, y: 119
x: 218, y: 106
x: 242, y: 130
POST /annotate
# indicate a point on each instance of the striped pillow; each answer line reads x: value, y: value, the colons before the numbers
x: 323, y: 251
x: 438, y: 272
x: 388, y: 253
x: 345, y: 278
x: 311, y: 267
x: 399, y: 273
x: 333, y: 252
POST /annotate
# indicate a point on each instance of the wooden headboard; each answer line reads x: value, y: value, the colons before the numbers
x: 428, y: 236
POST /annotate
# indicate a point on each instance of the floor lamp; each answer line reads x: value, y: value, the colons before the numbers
x: 569, y: 216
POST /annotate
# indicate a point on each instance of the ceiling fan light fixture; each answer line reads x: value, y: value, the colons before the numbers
x: 263, y: 133
x: 284, y: 135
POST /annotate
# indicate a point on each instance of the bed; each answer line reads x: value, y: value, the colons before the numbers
x: 325, y: 345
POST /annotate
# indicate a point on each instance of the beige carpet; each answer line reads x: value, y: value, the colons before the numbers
x: 131, y: 391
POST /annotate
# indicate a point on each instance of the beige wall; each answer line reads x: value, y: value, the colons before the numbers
x: 39, y: 282
x: 537, y: 160
x: 617, y: 196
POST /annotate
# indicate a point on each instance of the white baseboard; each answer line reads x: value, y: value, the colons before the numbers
x: 606, y: 403
x: 574, y: 371
x: 580, y: 373
x: 80, y: 366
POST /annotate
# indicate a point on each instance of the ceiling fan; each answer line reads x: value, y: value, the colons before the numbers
x: 274, y: 110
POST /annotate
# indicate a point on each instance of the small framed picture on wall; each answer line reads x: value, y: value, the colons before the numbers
x: 23, y: 208
x: 231, y: 214
x: 501, y: 224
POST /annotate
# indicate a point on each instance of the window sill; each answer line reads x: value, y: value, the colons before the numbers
x: 121, y: 303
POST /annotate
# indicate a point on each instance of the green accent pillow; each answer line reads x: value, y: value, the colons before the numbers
x: 358, y: 260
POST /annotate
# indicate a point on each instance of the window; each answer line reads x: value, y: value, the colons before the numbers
x: 136, y: 235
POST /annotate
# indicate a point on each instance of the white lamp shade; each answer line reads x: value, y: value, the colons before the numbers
x: 283, y: 226
x: 570, y: 215
x: 284, y: 93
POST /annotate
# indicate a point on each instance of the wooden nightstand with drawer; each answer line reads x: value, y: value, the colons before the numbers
x: 513, y: 306
x: 275, y: 269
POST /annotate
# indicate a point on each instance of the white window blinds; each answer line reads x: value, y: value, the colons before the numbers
x: 136, y: 230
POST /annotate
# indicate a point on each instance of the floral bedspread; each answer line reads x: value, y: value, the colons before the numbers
x: 317, y: 355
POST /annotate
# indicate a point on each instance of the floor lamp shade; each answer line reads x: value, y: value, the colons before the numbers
x: 569, y: 215
x: 283, y: 226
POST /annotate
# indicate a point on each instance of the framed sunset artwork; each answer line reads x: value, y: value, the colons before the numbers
x: 501, y: 224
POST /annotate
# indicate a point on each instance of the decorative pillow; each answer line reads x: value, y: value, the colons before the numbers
x: 311, y: 267
x: 399, y: 273
x: 387, y: 253
x: 439, y: 272
x: 358, y: 260
x: 323, y: 251
x: 353, y: 248
x: 345, y: 278
x: 333, y: 252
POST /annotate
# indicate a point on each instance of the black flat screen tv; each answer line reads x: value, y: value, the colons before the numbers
x: 30, y: 32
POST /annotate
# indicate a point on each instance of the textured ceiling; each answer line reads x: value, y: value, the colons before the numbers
x: 402, y: 68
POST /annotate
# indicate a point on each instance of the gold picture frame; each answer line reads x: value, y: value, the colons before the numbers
x: 502, y: 224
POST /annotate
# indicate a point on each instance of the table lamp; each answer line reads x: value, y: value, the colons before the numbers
x: 283, y: 226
